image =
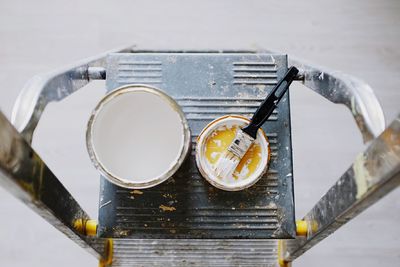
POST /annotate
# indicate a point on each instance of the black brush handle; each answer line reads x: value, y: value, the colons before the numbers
x: 269, y: 104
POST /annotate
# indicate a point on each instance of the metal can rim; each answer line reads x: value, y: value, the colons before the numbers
x: 121, y: 181
x: 199, y: 157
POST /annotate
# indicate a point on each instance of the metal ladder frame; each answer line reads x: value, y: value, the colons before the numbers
x: 373, y: 174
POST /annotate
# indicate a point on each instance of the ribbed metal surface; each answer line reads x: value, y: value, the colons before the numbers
x: 140, y: 72
x: 164, y: 252
x: 186, y: 206
x: 211, y: 108
x: 255, y: 73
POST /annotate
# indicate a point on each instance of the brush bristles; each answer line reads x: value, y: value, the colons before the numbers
x: 228, y: 161
x: 226, y: 164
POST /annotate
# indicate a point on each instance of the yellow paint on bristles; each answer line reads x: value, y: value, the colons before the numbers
x: 218, y: 143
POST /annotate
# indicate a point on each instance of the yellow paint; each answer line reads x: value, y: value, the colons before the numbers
x: 281, y: 250
x: 219, y: 141
x: 86, y: 227
x: 361, y: 175
x: 137, y: 192
x: 301, y: 228
x: 314, y: 226
x: 78, y: 225
x: 109, y: 254
x: 167, y: 208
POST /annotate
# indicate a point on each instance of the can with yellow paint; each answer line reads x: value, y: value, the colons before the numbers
x: 215, y: 139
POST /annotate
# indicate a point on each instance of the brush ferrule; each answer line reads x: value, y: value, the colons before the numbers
x: 240, y: 144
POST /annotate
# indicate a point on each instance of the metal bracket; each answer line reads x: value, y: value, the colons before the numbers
x: 337, y: 87
x: 86, y: 227
x: 53, y: 87
x: 341, y: 88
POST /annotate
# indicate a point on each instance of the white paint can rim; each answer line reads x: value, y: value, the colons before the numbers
x: 174, y: 165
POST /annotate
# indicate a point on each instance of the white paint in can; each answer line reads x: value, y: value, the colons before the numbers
x: 138, y: 136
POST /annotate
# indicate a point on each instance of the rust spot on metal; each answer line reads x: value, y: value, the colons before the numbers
x: 391, y: 138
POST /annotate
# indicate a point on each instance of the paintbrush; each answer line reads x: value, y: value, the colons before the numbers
x: 246, y: 136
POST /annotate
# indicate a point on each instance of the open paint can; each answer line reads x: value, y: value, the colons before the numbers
x: 215, y: 139
x: 137, y: 136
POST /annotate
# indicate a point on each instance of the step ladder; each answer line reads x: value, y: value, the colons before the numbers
x: 253, y: 227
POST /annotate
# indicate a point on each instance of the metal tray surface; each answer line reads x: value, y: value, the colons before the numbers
x: 206, y: 86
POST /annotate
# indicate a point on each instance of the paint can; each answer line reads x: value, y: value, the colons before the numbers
x: 137, y: 136
x: 215, y: 138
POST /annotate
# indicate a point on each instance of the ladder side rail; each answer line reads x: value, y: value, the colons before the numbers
x: 374, y: 174
x: 26, y: 176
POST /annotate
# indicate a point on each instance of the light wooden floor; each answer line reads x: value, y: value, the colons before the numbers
x: 358, y: 37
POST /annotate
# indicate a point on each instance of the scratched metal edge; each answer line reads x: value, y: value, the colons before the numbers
x: 109, y: 207
x: 290, y: 225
